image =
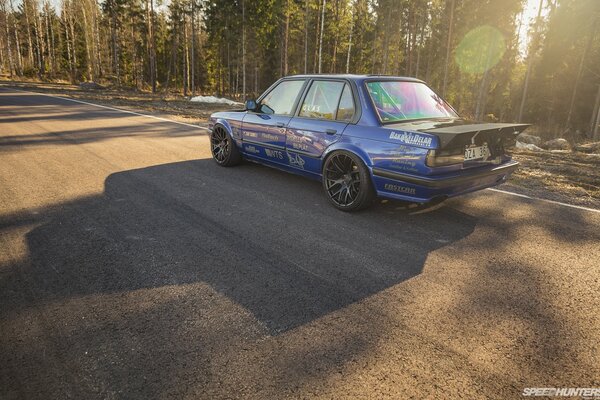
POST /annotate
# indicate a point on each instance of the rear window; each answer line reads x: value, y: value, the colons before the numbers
x: 402, y: 100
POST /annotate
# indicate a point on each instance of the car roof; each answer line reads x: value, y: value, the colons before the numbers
x: 355, y: 77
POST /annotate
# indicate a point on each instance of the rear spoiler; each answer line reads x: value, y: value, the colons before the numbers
x: 460, y: 135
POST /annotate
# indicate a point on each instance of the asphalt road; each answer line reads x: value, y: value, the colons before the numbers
x: 133, y: 267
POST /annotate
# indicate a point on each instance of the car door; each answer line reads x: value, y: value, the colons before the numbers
x: 264, y: 130
x: 326, y: 110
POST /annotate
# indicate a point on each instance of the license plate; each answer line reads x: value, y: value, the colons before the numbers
x: 476, y: 153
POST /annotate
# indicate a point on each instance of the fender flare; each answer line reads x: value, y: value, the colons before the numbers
x: 350, y: 148
x: 225, y: 124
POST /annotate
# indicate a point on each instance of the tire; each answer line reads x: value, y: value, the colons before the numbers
x: 223, y: 149
x: 347, y: 182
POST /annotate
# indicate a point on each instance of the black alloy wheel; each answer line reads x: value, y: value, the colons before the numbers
x: 346, y: 182
x: 223, y: 150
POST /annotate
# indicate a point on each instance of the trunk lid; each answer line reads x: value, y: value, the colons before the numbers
x: 455, y: 136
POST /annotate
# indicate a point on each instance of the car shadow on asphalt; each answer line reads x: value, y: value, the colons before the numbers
x: 268, y: 241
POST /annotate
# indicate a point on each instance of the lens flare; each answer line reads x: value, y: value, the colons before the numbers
x: 480, y: 50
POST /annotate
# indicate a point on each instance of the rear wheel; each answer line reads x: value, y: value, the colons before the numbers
x: 223, y: 149
x: 347, y: 182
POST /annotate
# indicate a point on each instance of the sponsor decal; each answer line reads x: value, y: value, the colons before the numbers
x: 274, y: 154
x: 399, y: 189
x: 300, y: 146
x: 296, y: 160
x: 300, y: 142
x: 411, y: 138
x: 404, y: 164
x: 269, y: 136
x: 252, y: 149
x: 250, y: 134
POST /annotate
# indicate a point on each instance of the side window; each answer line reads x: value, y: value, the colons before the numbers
x: 322, y: 100
x: 345, y: 110
x: 281, y: 99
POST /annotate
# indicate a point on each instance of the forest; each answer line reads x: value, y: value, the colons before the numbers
x: 469, y: 51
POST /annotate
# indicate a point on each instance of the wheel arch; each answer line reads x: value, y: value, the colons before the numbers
x: 226, y: 125
x: 360, y: 153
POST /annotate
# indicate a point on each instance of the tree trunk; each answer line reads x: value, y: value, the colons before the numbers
x: 2, y: 68
x: 448, y: 44
x: 65, y: 21
x: 286, y: 36
x: 96, y: 34
x: 184, y: 60
x: 595, y: 121
x: 11, y: 63
x: 39, y: 43
x: 17, y: 44
x: 350, y: 38
x: 529, y: 64
x: 29, y: 41
x: 193, y: 51
x: 153, y: 45
x: 321, y: 35
x: 115, y: 42
x: 48, y: 40
x: 316, y: 52
x: 482, y: 96
x: 579, y: 72
x: 306, y: 36
x: 420, y: 45
x: 332, y: 69
x: 53, y: 46
x: 74, y: 47
x: 244, y: 49
x: 88, y: 51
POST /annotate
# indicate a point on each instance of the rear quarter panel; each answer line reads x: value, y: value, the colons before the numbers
x: 389, y: 149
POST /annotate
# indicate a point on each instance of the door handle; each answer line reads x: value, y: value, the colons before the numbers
x: 330, y: 131
x: 280, y: 125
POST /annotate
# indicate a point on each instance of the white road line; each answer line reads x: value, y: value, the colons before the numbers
x: 107, y: 107
x: 545, y: 200
x: 202, y: 127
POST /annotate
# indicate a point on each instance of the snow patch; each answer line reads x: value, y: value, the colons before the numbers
x: 528, y: 146
x: 213, y: 100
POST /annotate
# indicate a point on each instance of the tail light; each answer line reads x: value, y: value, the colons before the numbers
x: 438, y: 158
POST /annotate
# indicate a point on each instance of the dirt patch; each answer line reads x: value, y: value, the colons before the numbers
x: 570, y: 177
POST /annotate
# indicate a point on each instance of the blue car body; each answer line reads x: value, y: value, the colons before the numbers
x: 396, y: 154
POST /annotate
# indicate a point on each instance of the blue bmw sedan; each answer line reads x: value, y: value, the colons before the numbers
x: 364, y: 136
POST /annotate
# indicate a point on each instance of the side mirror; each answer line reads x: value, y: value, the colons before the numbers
x: 250, y: 105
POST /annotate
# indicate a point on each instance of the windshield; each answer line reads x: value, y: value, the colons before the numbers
x: 402, y: 100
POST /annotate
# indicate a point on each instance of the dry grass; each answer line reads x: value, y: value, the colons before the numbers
x: 570, y: 177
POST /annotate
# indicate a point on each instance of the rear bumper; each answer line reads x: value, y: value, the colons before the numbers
x: 422, y: 189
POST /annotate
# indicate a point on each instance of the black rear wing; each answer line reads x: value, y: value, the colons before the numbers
x: 461, y: 135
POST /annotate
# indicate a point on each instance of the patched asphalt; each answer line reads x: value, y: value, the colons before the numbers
x: 133, y: 267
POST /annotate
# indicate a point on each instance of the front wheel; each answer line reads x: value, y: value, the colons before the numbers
x: 223, y: 149
x: 347, y: 182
